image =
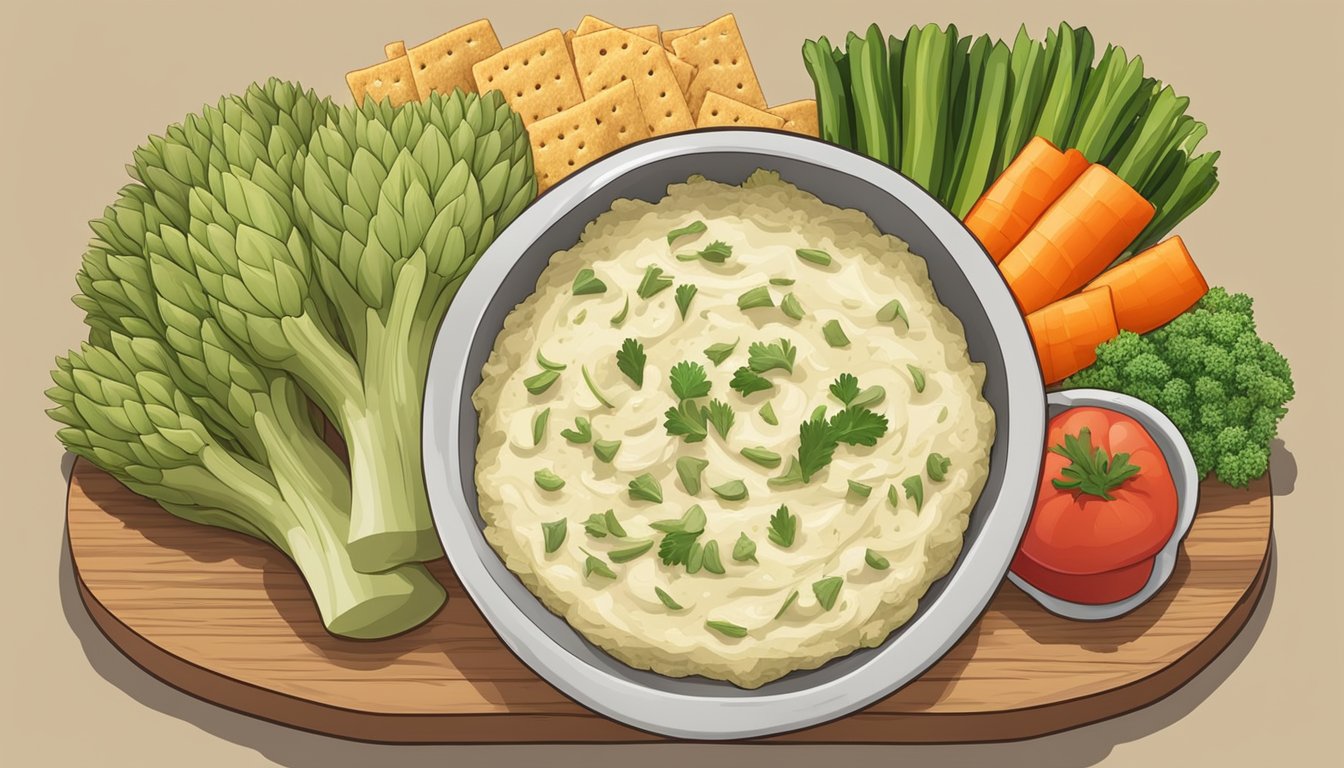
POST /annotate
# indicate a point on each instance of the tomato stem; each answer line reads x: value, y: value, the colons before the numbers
x: 1091, y: 471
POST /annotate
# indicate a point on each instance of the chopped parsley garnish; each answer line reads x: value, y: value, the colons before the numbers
x: 592, y: 387
x: 630, y: 359
x: 816, y: 447
x: 893, y: 497
x: 747, y: 381
x: 819, y: 412
x: 694, y: 228
x: 689, y: 380
x: 581, y: 433
x: 733, y: 490
x: 859, y: 489
x: 755, y: 298
x: 581, y: 316
x: 685, y: 292
x: 788, y: 601
x: 717, y: 353
x: 762, y: 456
x: 745, y: 549
x: 716, y: 252
x: 619, y: 317
x: 539, y: 426
x: 914, y: 489
x: 834, y: 334
x: 695, y: 559
x: 647, y: 488
x: 678, y: 547
x: 768, y: 415
x: 605, y: 450
x: 687, y: 420
x: 548, y: 480
x: 654, y: 281
x: 727, y: 628
x: 547, y: 364
x: 858, y: 426
x: 603, y: 525
x: 710, y: 558
x: 792, y: 476
x: 784, y: 281
x: 783, y: 527
x: 942, y: 415
x: 827, y: 590
x: 554, y: 534
x: 892, y: 310
x: 666, y: 599
x: 917, y: 376
x: 693, y: 521
x: 767, y: 357
x: 876, y: 561
x: 815, y: 256
x: 845, y: 388
x: 626, y: 554
x: 721, y: 415
x: 791, y: 307
x: 595, y: 566
x: 541, y: 382
x: 689, y: 470
x: 937, y: 465
x: 870, y: 396
x: 586, y: 282
x: 854, y: 425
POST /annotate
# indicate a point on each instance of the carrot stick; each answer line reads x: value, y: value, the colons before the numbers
x: 1152, y: 288
x: 1075, y: 239
x: 1066, y: 333
x: 1025, y: 189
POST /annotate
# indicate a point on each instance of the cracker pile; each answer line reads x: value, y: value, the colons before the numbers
x: 589, y: 91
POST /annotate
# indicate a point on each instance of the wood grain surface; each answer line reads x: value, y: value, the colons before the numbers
x: 228, y: 619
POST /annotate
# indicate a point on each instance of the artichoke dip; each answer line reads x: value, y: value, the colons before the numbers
x: 733, y: 433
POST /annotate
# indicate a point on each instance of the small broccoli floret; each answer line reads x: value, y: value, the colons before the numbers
x: 1212, y: 375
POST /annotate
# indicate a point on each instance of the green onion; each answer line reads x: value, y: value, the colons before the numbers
x: 892, y: 310
x: 870, y: 396
x: 937, y: 465
x: 745, y: 549
x: 626, y: 554
x: 859, y: 489
x: 599, y: 526
x: 541, y: 382
x: 689, y: 470
x: 586, y: 282
x: 733, y: 490
x: 762, y: 456
x: 814, y: 256
x: 547, y: 364
x: 695, y: 559
x: 876, y: 561
x: 581, y: 433
x: 711, y: 560
x: 666, y: 599
x: 548, y: 480
x: 791, y: 307
x: 768, y: 414
x: 605, y: 450
x: 685, y: 292
x: 647, y: 488
x: 554, y: 534
x: 917, y: 375
x: 694, y: 228
x: 588, y: 379
x: 914, y: 489
x: 654, y: 281
x: 717, y: 353
x: 619, y: 317
x: 727, y: 628
x: 788, y: 601
x: 827, y: 590
x: 595, y: 566
x: 783, y: 281
x: 755, y: 298
x: 835, y: 335
x: 893, y: 497
x: 539, y: 426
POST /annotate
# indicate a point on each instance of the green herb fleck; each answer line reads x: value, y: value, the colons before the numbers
x: 815, y: 256
x: 687, y: 420
x: 918, y: 376
x: 747, y: 381
x: 581, y: 433
x: 721, y: 415
x: 592, y: 387
x: 619, y: 317
x: 791, y: 307
x: 711, y: 559
x: 835, y: 335
x: 695, y: 559
x: 689, y: 469
x: 745, y: 549
x: 548, y: 480
x: 666, y: 599
x: 845, y: 388
x: 630, y: 359
x: 727, y: 628
x: 755, y: 299
x: 689, y: 380
x: 827, y: 590
x: 595, y: 566
x: 547, y: 364
x: 869, y: 396
x: 937, y: 465
x: 692, y: 521
x: 654, y: 281
x: 859, y: 489
x: 716, y: 252
x: 892, y: 310
x: 626, y: 554
x: 541, y: 382
x: 694, y: 228
x: 762, y: 456
x: 586, y: 282
x: 783, y: 527
x: 554, y: 534
x: 717, y: 353
x: 600, y: 526
x: 893, y: 497
x: 539, y: 426
x: 768, y: 414
x: 784, y: 281
x: 942, y: 415
x: 788, y: 601
x: 792, y: 476
x: 685, y: 292
x: 733, y: 490
x: 581, y: 316
x: 647, y: 488
x: 605, y: 450
x: 679, y: 545
x: 816, y: 447
x: 858, y: 426
x: 766, y: 357
x: 876, y: 561
x: 818, y: 413
x: 914, y: 489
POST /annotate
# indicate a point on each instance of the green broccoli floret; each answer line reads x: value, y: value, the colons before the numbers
x: 1222, y: 385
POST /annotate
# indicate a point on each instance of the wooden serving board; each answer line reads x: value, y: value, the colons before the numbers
x: 228, y: 619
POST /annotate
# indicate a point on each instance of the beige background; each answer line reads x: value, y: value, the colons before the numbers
x: 84, y: 85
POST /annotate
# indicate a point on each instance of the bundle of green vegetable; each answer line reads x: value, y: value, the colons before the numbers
x: 275, y: 249
x: 1212, y: 375
x: 951, y: 113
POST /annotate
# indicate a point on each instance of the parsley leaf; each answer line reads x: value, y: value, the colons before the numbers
x: 553, y: 534
x: 694, y: 228
x: 721, y: 416
x: 593, y: 565
x: 733, y: 490
x: 693, y: 521
x: 630, y: 358
x: 654, y: 281
x: 605, y: 450
x: 755, y: 298
x: 689, y: 470
x: 586, y: 282
x: 539, y: 426
x: 710, y: 558
x: 600, y: 526
x: 845, y: 388
x: 765, y: 357
x: 914, y: 489
x: 745, y: 549
x: 727, y: 628
x: 666, y: 599
x: 717, y: 353
x: 685, y: 292
x: 676, y: 547
x: 858, y: 426
x: 687, y: 420
x: 581, y: 433
x: 783, y: 527
x: 747, y: 381
x: 689, y: 380
x: 548, y: 480
x: 646, y: 487
x: 626, y: 554
x: 716, y: 252
x: 827, y: 590
x: 816, y: 446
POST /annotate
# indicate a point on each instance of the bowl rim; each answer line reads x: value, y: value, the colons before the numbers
x: 922, y: 641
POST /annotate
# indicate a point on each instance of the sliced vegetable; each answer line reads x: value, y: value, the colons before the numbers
x: 716, y: 252
x: 916, y: 377
x: 710, y: 558
x: 768, y: 415
x: 914, y: 489
x: 876, y: 561
x: 788, y: 601
x: 626, y: 554
x: 859, y: 489
x: 834, y: 334
x: 1153, y: 288
x: 1026, y: 188
x: 581, y: 433
x: 727, y: 628
x: 619, y: 317
x: 666, y: 599
x: 745, y: 549
x: 1066, y: 333
x: 791, y: 307
x: 592, y: 387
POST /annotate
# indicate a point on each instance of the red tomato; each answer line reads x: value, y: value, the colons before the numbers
x: 1094, y: 540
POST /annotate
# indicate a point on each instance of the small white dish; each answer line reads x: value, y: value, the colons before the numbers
x: 1180, y: 463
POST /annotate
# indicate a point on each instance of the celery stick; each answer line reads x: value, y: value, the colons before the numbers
x: 832, y: 95
x: 866, y: 69
x: 924, y: 105
x: 1162, y: 127
x: 895, y: 69
x: 961, y: 108
x: 1067, y: 69
x: 1028, y: 86
x: 1188, y: 190
x: 973, y: 175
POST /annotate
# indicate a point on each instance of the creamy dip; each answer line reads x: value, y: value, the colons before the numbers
x: 567, y: 434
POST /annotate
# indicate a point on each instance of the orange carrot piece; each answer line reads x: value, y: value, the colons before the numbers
x: 1027, y: 187
x: 1066, y: 333
x: 1152, y: 288
x: 1075, y: 239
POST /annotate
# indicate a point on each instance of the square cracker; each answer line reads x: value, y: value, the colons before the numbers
x: 720, y: 56
x: 672, y: 34
x: 590, y: 24
x: 384, y: 80
x: 799, y: 116
x: 719, y: 110
x: 565, y: 142
x: 395, y: 49
x: 608, y: 57
x: 684, y: 72
x: 445, y: 62
x: 536, y: 76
